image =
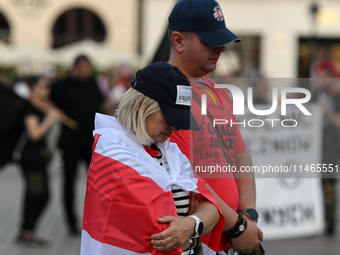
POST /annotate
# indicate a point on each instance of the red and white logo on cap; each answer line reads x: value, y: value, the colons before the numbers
x: 218, y: 14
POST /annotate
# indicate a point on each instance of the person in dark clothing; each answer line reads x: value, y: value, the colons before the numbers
x: 33, y: 159
x: 328, y: 97
x: 79, y: 97
x: 12, y: 109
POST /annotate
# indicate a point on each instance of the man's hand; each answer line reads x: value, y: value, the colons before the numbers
x: 249, y: 240
x: 178, y: 232
x: 193, y: 202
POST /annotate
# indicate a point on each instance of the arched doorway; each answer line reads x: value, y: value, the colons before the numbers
x: 75, y: 25
x: 4, y: 27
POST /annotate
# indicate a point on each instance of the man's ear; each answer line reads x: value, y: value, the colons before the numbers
x: 178, y: 41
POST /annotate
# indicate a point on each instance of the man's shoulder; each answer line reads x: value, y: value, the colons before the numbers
x: 61, y: 82
x: 208, y: 80
x: 207, y: 83
x: 201, y: 80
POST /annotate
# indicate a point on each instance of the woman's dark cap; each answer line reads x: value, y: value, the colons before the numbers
x: 167, y: 85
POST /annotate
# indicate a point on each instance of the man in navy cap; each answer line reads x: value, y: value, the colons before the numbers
x: 198, y: 36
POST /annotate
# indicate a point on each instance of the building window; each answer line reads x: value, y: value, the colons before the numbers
x: 4, y: 27
x: 75, y: 25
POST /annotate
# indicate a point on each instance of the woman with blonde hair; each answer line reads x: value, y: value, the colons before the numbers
x: 139, y: 184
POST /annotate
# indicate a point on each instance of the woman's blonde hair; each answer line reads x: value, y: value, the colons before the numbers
x: 133, y: 109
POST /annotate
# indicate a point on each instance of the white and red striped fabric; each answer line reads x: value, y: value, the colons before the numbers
x: 127, y: 191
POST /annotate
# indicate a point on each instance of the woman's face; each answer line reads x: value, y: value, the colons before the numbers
x: 41, y: 89
x: 158, y: 128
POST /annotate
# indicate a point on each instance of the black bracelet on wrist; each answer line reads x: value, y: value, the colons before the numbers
x: 193, y: 243
x: 238, y: 228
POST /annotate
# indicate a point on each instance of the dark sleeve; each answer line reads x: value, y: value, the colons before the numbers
x: 55, y: 95
x: 31, y: 110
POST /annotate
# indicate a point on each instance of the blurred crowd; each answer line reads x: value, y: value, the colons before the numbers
x: 33, y: 105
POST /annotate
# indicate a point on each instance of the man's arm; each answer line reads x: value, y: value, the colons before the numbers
x: 247, y: 194
x: 246, y: 182
x: 249, y: 240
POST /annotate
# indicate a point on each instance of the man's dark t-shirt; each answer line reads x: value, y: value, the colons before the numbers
x: 79, y: 100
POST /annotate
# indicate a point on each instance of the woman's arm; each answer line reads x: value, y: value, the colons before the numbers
x: 180, y: 229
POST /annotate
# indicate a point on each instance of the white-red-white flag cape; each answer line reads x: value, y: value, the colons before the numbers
x: 127, y: 191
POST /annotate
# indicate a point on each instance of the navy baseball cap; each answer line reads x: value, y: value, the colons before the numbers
x: 205, y: 18
x: 167, y: 85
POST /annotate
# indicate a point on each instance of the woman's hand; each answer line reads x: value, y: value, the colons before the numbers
x: 177, y: 234
x: 53, y: 114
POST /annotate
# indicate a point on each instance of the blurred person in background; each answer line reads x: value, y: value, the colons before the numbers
x: 50, y: 73
x: 260, y: 90
x: 12, y: 110
x: 21, y: 88
x: 124, y: 76
x: 34, y: 158
x: 79, y: 97
x: 113, y: 85
x: 104, y: 81
x: 328, y: 97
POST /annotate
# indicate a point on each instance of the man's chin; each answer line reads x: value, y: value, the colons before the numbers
x: 210, y: 68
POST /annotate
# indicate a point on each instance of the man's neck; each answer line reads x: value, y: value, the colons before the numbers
x: 176, y: 61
